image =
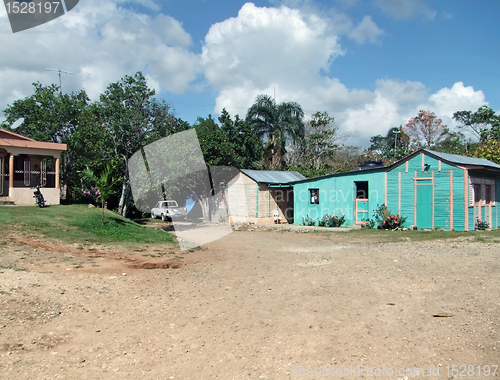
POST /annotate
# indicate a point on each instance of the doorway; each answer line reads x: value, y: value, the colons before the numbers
x: 361, y: 207
x: 424, y: 204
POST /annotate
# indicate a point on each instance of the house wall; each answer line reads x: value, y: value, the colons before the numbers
x: 337, y: 196
x: 23, y: 196
x: 449, y: 192
x: 447, y: 186
x: 453, y: 206
x: 250, y: 201
x: 460, y: 198
x: 483, y: 211
x: 497, y: 199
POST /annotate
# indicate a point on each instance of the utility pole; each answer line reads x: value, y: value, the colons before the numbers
x: 60, y: 71
x: 395, y: 141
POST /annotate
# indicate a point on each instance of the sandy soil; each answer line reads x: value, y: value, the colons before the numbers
x: 254, y: 304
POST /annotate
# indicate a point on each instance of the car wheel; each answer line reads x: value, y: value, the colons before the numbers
x: 152, y: 216
x: 163, y: 217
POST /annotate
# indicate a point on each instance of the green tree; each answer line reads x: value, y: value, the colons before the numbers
x: 321, y: 139
x: 246, y: 145
x: 133, y: 118
x: 425, y: 130
x: 364, y: 156
x: 214, y: 143
x: 316, y: 154
x: 104, y: 183
x: 490, y: 150
x: 276, y: 124
x: 394, y: 145
x: 455, y: 143
x: 54, y: 117
x: 483, y: 123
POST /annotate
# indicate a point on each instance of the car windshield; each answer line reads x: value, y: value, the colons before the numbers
x: 168, y: 204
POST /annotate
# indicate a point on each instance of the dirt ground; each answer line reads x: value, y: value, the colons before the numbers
x: 256, y: 304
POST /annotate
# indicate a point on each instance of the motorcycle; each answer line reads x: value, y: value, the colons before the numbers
x: 40, y: 201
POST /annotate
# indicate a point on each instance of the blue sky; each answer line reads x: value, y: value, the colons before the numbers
x: 371, y: 64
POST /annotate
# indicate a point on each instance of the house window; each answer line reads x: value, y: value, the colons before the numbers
x: 361, y: 189
x: 477, y: 193
x: 481, y: 192
x: 314, y: 196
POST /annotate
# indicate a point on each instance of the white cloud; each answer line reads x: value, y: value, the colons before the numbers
x: 396, y: 102
x: 99, y: 42
x: 263, y: 49
x: 405, y: 93
x: 404, y: 9
x: 457, y: 98
x: 282, y: 51
x: 267, y: 44
x: 367, y: 30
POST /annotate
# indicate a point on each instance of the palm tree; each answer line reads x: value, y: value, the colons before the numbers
x: 277, y: 123
x: 104, y: 184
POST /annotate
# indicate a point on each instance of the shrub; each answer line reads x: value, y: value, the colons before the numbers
x: 387, y: 221
x: 392, y: 222
x: 335, y: 221
x: 481, y: 225
x: 331, y: 220
x: 308, y: 221
x: 370, y: 223
x: 92, y: 195
x: 322, y: 221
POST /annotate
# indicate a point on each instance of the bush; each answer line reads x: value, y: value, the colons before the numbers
x: 370, y: 223
x: 308, y: 221
x: 387, y: 221
x: 331, y: 220
x: 482, y: 225
x: 335, y: 221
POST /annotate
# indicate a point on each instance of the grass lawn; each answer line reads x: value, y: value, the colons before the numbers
x: 381, y: 236
x: 78, y: 224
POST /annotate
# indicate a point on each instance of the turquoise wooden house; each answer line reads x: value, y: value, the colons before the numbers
x: 431, y: 189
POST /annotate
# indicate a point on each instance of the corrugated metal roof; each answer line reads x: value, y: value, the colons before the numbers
x: 463, y: 160
x: 272, y: 176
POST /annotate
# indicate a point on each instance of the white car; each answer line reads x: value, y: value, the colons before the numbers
x: 168, y: 210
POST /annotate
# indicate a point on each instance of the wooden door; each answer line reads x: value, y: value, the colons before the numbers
x: 424, y: 204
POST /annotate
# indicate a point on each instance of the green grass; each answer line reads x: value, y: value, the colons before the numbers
x: 79, y: 224
x: 381, y: 236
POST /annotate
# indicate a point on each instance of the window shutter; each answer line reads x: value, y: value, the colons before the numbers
x: 471, y: 193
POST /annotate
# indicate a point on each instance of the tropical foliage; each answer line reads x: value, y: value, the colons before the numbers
x: 481, y: 225
x: 483, y: 123
x: 104, y: 184
x: 490, y: 150
x: 102, y: 136
x: 385, y: 220
x: 328, y: 220
x: 394, y: 145
x: 276, y: 125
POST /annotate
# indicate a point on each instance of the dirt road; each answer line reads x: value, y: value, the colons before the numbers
x: 254, y: 304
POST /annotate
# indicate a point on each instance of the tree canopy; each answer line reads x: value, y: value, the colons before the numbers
x: 425, y: 130
x: 483, y: 123
x: 276, y: 124
x: 394, y: 145
x: 128, y: 120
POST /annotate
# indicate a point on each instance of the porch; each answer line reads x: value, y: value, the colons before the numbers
x: 26, y: 163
